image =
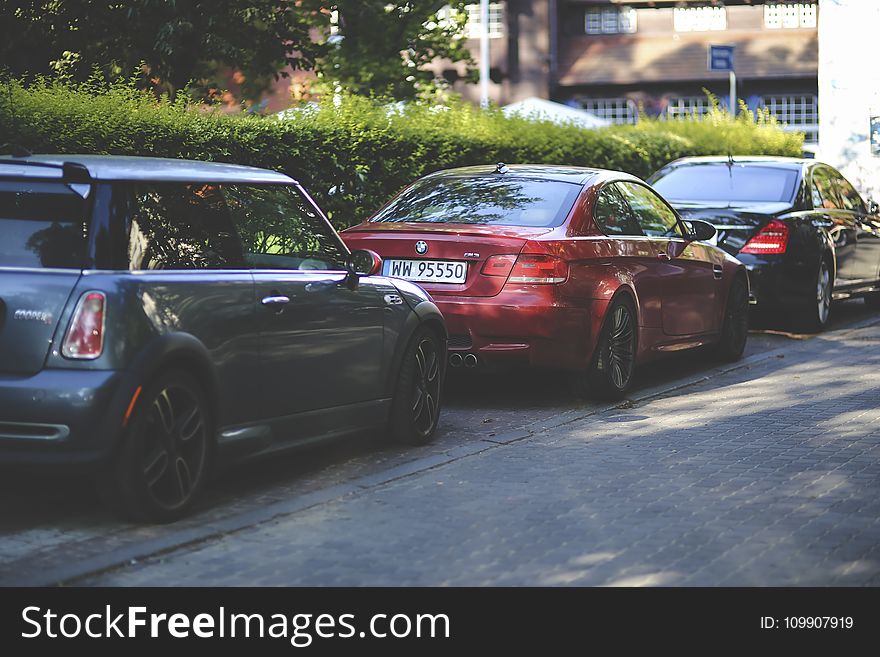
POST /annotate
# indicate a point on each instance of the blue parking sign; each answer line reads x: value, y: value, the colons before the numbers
x: 721, y: 58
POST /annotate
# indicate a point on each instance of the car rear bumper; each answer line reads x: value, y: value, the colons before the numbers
x: 777, y: 283
x: 531, y: 327
x: 57, y: 417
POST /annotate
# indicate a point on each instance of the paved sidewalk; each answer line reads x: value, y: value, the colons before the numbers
x: 768, y: 475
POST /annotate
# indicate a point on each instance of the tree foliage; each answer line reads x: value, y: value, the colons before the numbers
x: 382, y: 49
x: 177, y: 41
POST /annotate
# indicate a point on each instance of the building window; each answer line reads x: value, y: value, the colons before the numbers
x: 686, y: 106
x: 610, y: 20
x: 616, y: 110
x: 796, y: 114
x: 790, y: 15
x: 474, y: 29
x: 699, y: 19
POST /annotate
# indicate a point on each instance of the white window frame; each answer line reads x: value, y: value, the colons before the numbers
x: 616, y: 110
x: 473, y: 27
x: 687, y: 106
x: 610, y: 20
x: 705, y: 18
x: 796, y: 113
x: 790, y: 15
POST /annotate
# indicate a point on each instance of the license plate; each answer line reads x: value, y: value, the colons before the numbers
x: 427, y: 271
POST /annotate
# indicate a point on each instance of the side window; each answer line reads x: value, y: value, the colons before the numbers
x: 823, y: 191
x: 612, y: 214
x: 281, y: 229
x: 655, y: 218
x: 181, y: 226
x: 850, y: 197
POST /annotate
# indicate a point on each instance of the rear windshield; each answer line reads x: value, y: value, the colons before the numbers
x: 483, y: 200
x: 41, y: 225
x: 727, y: 184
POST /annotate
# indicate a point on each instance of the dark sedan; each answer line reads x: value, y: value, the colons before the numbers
x: 802, y: 230
x: 157, y: 313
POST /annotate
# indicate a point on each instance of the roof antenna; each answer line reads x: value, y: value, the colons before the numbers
x: 501, y: 168
x: 729, y: 158
x: 15, y: 150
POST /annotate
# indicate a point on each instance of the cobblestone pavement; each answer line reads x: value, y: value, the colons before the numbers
x: 765, y: 475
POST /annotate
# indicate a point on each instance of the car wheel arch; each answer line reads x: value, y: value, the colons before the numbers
x: 166, y: 352
x: 425, y: 314
x: 623, y: 290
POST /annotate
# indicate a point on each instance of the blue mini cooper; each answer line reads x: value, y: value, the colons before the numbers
x: 157, y: 315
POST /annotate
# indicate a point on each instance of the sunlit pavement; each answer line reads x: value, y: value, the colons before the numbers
x: 766, y: 473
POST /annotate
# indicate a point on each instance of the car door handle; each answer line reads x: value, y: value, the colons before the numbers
x: 275, y: 301
x: 664, y: 256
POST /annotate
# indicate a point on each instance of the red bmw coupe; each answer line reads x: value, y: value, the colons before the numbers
x: 579, y: 269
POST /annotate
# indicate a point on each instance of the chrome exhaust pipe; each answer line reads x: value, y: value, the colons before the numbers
x: 470, y: 360
x: 455, y: 360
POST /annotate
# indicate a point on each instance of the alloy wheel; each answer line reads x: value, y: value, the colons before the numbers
x: 620, y: 346
x: 426, y: 396
x: 175, y: 447
x: 823, y: 292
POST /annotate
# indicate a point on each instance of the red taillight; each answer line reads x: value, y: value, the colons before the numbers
x: 771, y: 239
x: 85, y: 337
x: 498, y: 265
x: 538, y: 269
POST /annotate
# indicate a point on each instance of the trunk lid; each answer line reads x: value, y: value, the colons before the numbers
x: 30, y: 305
x: 42, y: 251
x: 736, y: 225
x: 471, y: 244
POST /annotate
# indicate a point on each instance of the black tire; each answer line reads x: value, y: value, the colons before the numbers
x: 167, y: 450
x: 611, y: 371
x: 735, y: 326
x: 415, y: 409
x: 813, y: 316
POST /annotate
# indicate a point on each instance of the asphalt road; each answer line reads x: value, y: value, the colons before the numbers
x: 53, y: 528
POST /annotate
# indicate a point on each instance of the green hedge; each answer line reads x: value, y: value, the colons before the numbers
x: 354, y: 154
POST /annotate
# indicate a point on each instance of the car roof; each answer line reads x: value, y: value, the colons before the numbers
x: 554, y: 172
x: 763, y: 160
x: 125, y: 167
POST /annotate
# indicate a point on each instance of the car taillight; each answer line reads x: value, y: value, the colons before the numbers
x: 539, y: 269
x: 85, y: 336
x: 498, y: 265
x: 771, y: 239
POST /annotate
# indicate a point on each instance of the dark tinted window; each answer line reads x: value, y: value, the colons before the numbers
x: 281, y: 229
x: 720, y: 183
x: 824, y: 192
x: 41, y: 225
x: 613, y: 215
x: 848, y: 195
x: 654, y: 216
x: 492, y: 199
x: 182, y: 226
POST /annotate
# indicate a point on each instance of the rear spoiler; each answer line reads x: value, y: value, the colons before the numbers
x: 71, y: 172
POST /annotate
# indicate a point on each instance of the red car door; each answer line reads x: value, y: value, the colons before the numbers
x: 634, y: 253
x: 691, y: 272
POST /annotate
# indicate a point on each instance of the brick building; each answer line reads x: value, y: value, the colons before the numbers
x: 615, y: 57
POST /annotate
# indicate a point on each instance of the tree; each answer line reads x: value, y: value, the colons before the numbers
x: 178, y: 41
x: 382, y: 48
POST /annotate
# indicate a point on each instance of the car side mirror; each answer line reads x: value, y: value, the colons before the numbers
x: 873, y: 208
x: 363, y: 262
x: 700, y: 231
